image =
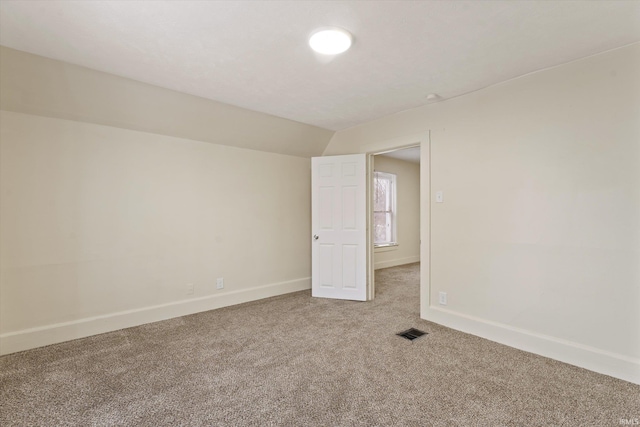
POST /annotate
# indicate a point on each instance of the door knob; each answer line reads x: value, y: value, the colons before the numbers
x: 316, y: 237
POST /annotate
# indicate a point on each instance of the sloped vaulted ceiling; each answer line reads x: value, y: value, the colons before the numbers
x: 254, y: 55
x: 36, y: 85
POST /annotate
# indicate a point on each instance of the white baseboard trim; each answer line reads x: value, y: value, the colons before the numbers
x: 396, y: 262
x: 594, y: 359
x: 26, y: 339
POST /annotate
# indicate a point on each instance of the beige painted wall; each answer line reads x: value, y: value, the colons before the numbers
x: 104, y: 227
x: 408, y: 213
x: 538, y: 241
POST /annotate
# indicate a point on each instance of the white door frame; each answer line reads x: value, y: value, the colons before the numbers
x: 423, y: 141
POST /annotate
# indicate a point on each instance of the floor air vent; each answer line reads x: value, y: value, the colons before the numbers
x: 411, y: 334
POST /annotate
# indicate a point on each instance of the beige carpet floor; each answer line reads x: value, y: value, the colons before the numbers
x: 294, y: 360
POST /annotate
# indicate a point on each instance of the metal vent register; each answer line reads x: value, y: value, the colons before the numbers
x: 411, y: 334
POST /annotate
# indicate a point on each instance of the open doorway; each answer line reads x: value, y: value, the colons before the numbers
x: 395, y: 209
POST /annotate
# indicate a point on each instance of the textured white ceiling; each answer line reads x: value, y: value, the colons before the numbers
x: 407, y: 154
x: 254, y: 54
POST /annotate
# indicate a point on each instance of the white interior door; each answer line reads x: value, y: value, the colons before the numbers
x: 339, y: 226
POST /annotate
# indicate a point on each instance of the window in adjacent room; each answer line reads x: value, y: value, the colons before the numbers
x: 384, y: 209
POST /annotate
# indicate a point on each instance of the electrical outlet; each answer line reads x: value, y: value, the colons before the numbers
x: 190, y: 289
x: 442, y: 298
x: 220, y: 283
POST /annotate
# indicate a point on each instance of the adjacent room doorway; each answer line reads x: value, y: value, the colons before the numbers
x: 342, y: 223
x: 395, y: 208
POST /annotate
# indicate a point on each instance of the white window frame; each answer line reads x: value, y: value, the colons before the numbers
x: 392, y: 208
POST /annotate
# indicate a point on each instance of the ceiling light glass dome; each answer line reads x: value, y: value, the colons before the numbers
x: 330, y: 41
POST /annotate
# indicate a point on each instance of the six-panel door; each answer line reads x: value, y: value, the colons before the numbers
x: 339, y: 227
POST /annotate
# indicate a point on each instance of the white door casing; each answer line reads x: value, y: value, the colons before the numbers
x: 339, y: 227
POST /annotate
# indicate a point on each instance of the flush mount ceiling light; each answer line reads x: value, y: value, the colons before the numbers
x: 330, y: 41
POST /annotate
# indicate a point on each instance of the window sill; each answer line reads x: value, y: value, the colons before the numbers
x: 385, y: 247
